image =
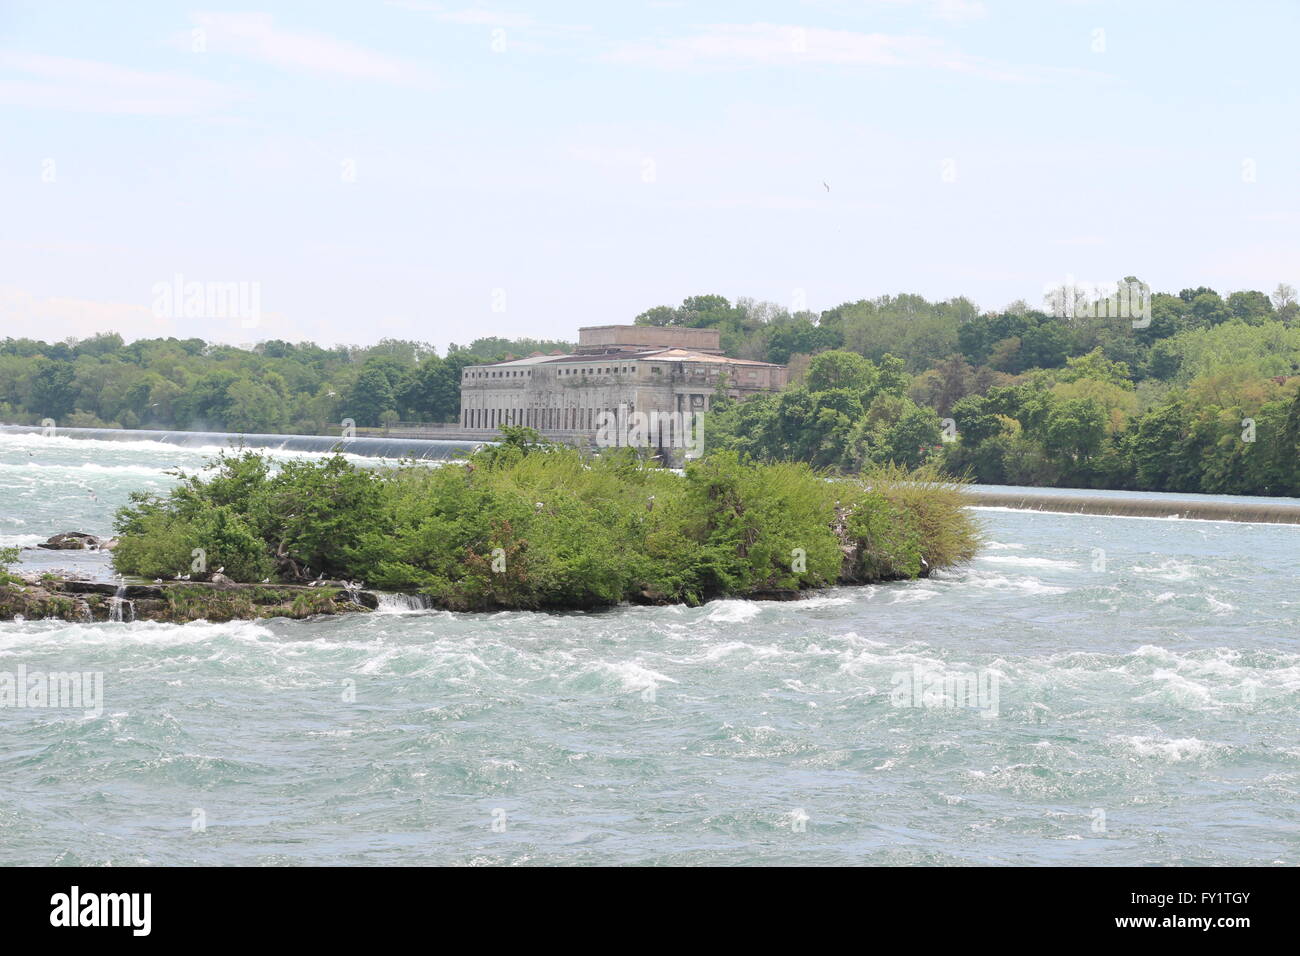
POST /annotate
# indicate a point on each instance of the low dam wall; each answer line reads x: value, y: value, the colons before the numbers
x: 1242, y: 509
x: 392, y: 446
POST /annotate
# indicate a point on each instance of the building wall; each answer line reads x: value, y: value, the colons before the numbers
x: 569, y: 395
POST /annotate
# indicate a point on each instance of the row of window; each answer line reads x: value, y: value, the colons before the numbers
x: 608, y: 370
x: 531, y: 417
x: 525, y: 373
x: 504, y: 373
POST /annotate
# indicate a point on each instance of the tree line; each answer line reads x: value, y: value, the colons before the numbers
x: 272, y: 387
x: 1200, y: 395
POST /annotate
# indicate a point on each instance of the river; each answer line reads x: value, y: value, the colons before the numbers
x: 1138, y: 691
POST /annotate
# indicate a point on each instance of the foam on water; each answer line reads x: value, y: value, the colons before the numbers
x: 1021, y: 562
x: 733, y: 612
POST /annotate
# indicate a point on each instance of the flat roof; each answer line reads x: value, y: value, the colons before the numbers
x: 629, y: 355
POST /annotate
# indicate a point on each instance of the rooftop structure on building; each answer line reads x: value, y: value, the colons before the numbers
x: 638, y: 368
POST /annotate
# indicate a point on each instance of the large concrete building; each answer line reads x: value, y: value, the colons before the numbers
x: 641, y: 368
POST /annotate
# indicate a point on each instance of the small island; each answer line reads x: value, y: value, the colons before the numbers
x: 519, y: 525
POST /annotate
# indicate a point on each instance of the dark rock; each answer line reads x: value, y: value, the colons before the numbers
x: 74, y: 541
x: 776, y: 594
x: 89, y: 587
x: 132, y: 592
x: 221, y: 599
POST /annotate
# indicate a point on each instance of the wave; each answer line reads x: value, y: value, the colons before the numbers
x: 990, y: 579
x: 18, y: 636
x: 732, y: 611
x: 1172, y: 570
x: 1020, y: 562
x: 40, y: 470
x: 1171, y: 750
x: 631, y: 677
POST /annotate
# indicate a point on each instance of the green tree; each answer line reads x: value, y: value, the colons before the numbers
x: 841, y: 369
x: 52, y: 393
x: 370, y: 397
x: 253, y: 408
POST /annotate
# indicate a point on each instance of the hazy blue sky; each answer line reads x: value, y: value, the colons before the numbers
x: 379, y: 169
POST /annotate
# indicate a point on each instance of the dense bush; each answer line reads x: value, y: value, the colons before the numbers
x: 529, y: 525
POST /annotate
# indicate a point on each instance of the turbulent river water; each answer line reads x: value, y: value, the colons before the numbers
x: 1135, y: 689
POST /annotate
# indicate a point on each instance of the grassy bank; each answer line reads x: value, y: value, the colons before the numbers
x: 526, y: 525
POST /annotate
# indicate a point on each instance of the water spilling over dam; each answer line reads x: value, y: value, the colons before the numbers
x: 425, y: 449
x: 1139, y: 505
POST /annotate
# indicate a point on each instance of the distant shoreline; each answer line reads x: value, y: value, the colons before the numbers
x: 1114, y: 502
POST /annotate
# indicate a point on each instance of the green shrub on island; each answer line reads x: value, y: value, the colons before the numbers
x: 8, y: 556
x: 527, y: 524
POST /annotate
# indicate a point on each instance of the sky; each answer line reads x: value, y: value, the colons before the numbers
x: 444, y: 171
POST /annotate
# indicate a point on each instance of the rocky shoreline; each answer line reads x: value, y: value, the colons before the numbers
x: 49, y: 597
x: 29, y: 598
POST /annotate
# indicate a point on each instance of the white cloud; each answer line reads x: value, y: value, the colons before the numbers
x: 524, y: 32
x: 471, y: 16
x: 256, y: 37
x: 90, y: 86
x: 56, y: 318
x: 767, y: 44
x: 953, y: 11
x: 958, y: 11
x: 1080, y: 241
